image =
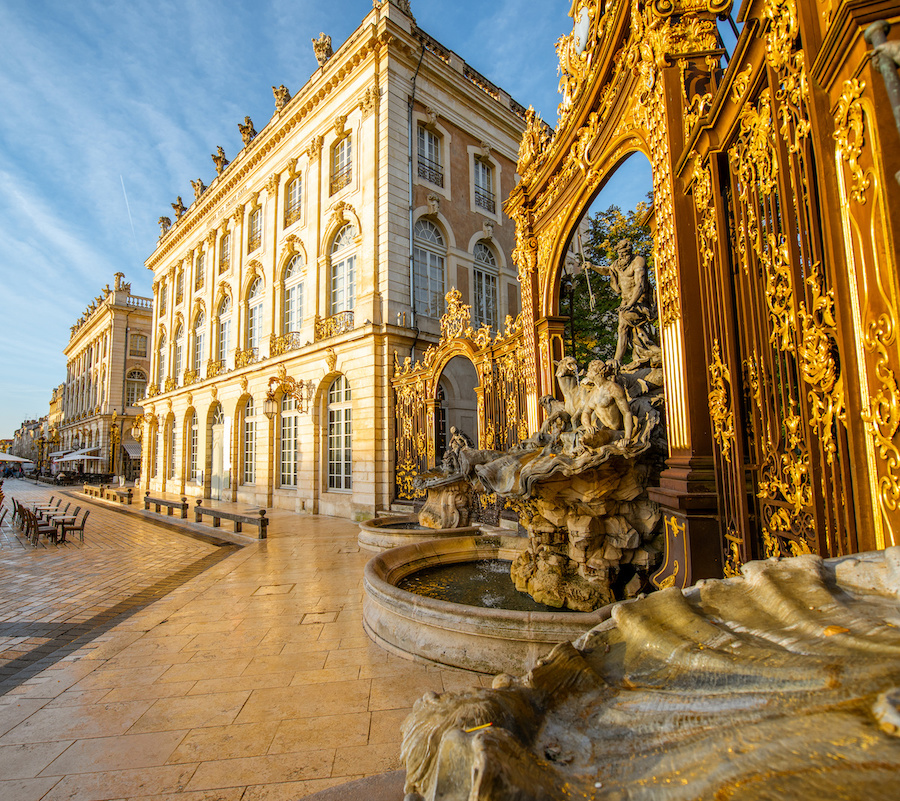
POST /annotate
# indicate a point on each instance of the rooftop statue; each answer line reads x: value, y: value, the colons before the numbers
x: 282, y: 96
x: 179, y: 208
x: 165, y: 223
x: 219, y: 160
x: 322, y: 48
x: 199, y: 188
x: 248, y: 132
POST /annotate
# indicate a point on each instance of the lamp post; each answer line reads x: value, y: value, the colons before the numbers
x: 114, y: 439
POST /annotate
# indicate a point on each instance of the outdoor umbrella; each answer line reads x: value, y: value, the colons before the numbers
x: 8, y: 457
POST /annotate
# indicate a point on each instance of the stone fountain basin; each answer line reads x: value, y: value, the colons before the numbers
x: 383, y: 533
x: 456, y: 635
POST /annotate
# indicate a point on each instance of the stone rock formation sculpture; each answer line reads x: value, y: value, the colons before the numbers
x: 781, y: 683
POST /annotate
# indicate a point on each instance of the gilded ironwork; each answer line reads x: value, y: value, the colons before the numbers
x: 286, y: 342
x: 720, y: 403
x: 849, y: 136
x: 243, y: 358
x: 339, y: 323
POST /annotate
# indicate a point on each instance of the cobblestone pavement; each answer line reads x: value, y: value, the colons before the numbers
x: 149, y: 665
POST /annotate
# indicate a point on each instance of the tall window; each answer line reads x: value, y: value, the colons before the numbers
x: 293, y: 295
x: 197, y: 356
x: 485, y: 286
x: 161, y: 361
x: 224, y: 252
x: 254, y: 237
x: 341, y: 169
x: 179, y: 351
x: 484, y: 185
x: 428, y: 268
x: 292, y: 200
x: 343, y: 270
x: 254, y: 314
x: 249, y: 444
x: 154, y: 457
x: 172, y: 448
x: 198, y: 272
x: 163, y: 297
x: 430, y: 156
x: 135, y: 387
x: 340, y: 451
x: 137, y: 345
x: 193, y: 433
x: 224, y: 339
x: 179, y: 287
x: 288, y: 442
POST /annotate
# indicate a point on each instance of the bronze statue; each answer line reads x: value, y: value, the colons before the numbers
x: 629, y: 279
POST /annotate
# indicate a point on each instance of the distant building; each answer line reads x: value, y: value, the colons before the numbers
x: 25, y: 439
x: 107, y: 370
x: 318, y: 257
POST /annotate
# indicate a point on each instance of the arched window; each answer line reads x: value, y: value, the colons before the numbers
x: 172, y: 448
x: 154, y: 456
x: 293, y: 295
x: 340, y: 451
x: 249, y: 451
x: 254, y: 314
x: 343, y: 270
x: 429, y: 253
x: 198, y: 272
x: 341, y: 164
x: 161, y: 362
x: 223, y: 341
x: 135, y: 387
x: 197, y: 356
x: 224, y: 252
x: 485, y: 285
x: 179, y: 352
x: 293, y: 195
x: 193, y: 434
x: 288, y: 442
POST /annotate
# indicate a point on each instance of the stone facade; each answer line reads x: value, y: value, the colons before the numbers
x: 288, y: 278
x: 107, y: 369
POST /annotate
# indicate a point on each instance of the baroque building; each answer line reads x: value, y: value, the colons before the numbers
x: 107, y: 370
x: 317, y: 259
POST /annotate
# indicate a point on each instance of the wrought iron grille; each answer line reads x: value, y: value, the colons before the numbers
x: 485, y: 199
x: 431, y: 171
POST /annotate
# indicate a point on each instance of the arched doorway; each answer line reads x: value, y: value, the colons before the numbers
x: 218, y: 477
x: 457, y: 405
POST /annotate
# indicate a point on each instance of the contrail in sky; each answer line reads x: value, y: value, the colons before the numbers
x: 134, y: 236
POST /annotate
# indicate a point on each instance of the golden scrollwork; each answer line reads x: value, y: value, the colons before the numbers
x: 456, y: 322
x: 741, y: 83
x: 733, y: 559
x: 849, y: 135
x: 882, y: 418
x: 720, y: 404
x: 779, y: 292
x: 339, y: 323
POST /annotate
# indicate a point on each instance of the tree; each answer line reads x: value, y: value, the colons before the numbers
x: 587, y: 297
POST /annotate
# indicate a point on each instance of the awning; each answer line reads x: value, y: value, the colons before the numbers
x: 57, y: 454
x: 78, y: 456
x: 133, y: 449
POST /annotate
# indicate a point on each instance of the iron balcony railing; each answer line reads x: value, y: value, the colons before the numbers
x: 340, y: 179
x: 287, y: 342
x: 244, y: 357
x: 338, y: 323
x: 485, y: 199
x: 431, y: 171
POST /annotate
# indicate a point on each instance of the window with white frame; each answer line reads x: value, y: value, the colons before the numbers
x: 288, y: 442
x: 135, y: 387
x: 161, y: 361
x: 224, y: 252
x: 343, y: 270
x: 429, y: 151
x: 179, y: 351
x: 484, y: 186
x: 254, y: 235
x: 137, y: 345
x: 163, y: 297
x: 340, y: 436
x: 172, y: 448
x: 193, y: 434
x: 249, y: 452
x: 429, y: 252
x: 154, y: 460
x: 485, y: 286
x: 197, y: 356
x: 223, y: 342
x: 293, y: 295
x: 292, y: 201
x: 341, y: 164
x: 179, y: 287
x: 254, y: 315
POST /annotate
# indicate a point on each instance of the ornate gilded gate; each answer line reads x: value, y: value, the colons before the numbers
x: 775, y: 207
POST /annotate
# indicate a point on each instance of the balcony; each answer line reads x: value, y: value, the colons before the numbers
x: 338, y: 323
x: 242, y: 358
x: 224, y: 264
x: 341, y: 179
x: 215, y: 367
x: 170, y: 384
x: 291, y: 215
x: 190, y: 377
x: 254, y: 241
x: 290, y: 341
x: 485, y: 200
x: 431, y: 171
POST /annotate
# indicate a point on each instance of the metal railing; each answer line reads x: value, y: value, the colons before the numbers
x: 431, y: 171
x: 338, y: 323
x: 244, y: 357
x: 485, y: 199
x: 340, y: 179
x: 287, y: 342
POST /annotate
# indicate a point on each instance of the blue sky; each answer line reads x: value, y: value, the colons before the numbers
x: 112, y: 107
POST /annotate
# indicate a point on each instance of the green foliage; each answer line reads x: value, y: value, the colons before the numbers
x: 595, y: 328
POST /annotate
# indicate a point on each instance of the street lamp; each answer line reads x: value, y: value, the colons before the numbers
x: 270, y: 407
x: 114, y: 439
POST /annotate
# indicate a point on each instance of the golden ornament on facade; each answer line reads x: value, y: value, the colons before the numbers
x: 720, y: 403
x: 849, y: 136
